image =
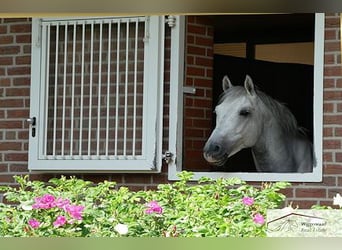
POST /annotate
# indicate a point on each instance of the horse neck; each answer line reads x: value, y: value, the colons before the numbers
x: 271, y: 149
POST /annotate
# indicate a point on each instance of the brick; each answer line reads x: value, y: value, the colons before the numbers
x: 3, y: 167
x: 310, y: 192
x: 23, y: 38
x: 203, y: 61
x: 11, y: 124
x: 203, y: 103
x: 27, y: 49
x: 328, y: 107
x: 329, y: 83
x: 6, y: 39
x: 95, y: 178
x: 333, y: 192
x: 328, y: 132
x: 18, y: 113
x: 332, y: 46
x: 331, y: 144
x: 302, y: 204
x: 332, y: 95
x: 333, y: 169
x: 23, y: 135
x: 204, y: 41
x: 18, y: 157
x: 190, y: 39
x: 11, y: 103
x: 194, y: 71
x: 9, y: 50
x: 43, y: 177
x: 6, y: 61
x: 6, y: 178
x: 18, y: 168
x: 19, y: 60
x: 338, y: 157
x: 8, y: 146
x: 196, y: 29
x: 5, y: 82
x: 3, y: 29
x: 195, y: 50
x: 332, y: 22
x: 332, y: 71
x: 18, y: 92
x: 327, y: 157
x: 200, y: 82
x: 21, y: 81
x: 194, y: 112
x: 19, y: 71
x: 330, y: 34
x: 15, y: 20
x: 329, y: 59
x: 20, y: 28
x: 141, y: 178
x: 10, y: 135
x: 332, y: 119
x: 194, y: 132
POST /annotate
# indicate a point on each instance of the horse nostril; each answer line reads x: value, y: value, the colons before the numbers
x: 213, y: 148
x: 216, y: 148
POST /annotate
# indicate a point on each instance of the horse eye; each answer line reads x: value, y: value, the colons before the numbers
x: 244, y: 112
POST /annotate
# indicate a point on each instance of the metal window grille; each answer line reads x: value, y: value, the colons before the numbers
x: 95, y: 91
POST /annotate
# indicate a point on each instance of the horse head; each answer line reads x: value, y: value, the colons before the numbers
x: 238, y: 122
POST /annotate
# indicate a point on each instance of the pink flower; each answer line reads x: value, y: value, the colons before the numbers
x: 61, y: 203
x: 248, y: 201
x: 44, y: 202
x: 60, y: 221
x: 259, y: 219
x: 34, y: 223
x: 153, y: 207
x: 74, y: 211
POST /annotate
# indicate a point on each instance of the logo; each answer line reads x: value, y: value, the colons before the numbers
x: 304, y: 223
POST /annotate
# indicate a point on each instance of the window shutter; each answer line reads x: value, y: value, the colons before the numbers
x: 96, y: 94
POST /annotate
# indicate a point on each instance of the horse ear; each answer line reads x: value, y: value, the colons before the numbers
x: 249, y: 85
x: 226, y: 84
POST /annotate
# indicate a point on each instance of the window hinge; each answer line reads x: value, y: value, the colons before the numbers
x: 167, y: 157
x: 171, y: 21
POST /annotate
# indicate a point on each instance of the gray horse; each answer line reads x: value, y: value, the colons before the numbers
x: 248, y: 118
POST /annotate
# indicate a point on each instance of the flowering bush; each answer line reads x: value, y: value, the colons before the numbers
x: 74, y: 207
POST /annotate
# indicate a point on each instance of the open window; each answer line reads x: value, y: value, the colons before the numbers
x: 283, y: 54
x: 97, y: 94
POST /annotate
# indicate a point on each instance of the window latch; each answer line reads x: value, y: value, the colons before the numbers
x: 167, y: 157
x: 32, y: 122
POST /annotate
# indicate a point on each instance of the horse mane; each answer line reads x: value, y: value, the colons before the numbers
x: 281, y: 112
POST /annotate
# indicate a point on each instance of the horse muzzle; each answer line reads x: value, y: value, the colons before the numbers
x: 215, y: 154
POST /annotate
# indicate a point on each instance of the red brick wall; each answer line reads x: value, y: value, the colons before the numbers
x: 15, y: 38
x: 198, y: 106
x: 307, y: 194
x: 15, y: 60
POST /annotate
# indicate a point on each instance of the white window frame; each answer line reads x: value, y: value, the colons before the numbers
x: 151, y: 159
x: 176, y: 113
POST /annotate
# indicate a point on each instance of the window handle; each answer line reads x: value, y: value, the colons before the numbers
x: 32, y: 122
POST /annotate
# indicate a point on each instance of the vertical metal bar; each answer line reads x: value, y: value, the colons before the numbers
x: 64, y: 83
x: 55, y: 95
x: 135, y: 85
x: 126, y: 89
x: 90, y: 86
x: 99, y: 96
x: 82, y: 87
x: 47, y: 80
x: 117, y: 97
x: 108, y: 84
x: 73, y: 91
